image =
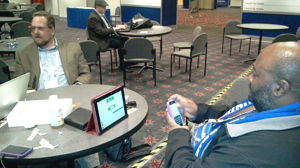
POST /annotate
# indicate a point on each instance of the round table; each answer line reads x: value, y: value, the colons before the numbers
x: 73, y: 143
x: 9, y: 20
x: 148, y: 32
x: 262, y: 27
x: 23, y: 42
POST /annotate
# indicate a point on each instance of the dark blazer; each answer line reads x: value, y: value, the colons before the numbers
x: 72, y: 60
x: 98, y: 31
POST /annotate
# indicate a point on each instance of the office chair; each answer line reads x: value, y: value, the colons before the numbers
x: 156, y: 38
x: 111, y: 50
x: 4, y: 72
x: 198, y: 47
x: 187, y: 44
x: 90, y: 51
x: 285, y: 37
x: 20, y: 29
x: 26, y: 16
x: 31, y: 9
x: 38, y: 6
x: 138, y: 50
x: 298, y: 33
x: 234, y: 33
x: 117, y: 14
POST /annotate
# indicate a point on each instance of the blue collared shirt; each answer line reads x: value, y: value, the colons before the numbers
x: 48, y: 60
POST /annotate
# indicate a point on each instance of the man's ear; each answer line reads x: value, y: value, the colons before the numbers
x: 281, y: 88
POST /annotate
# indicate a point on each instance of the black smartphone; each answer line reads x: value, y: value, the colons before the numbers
x: 174, y: 112
x: 16, y: 151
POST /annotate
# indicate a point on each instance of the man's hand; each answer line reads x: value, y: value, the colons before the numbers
x: 121, y: 27
x: 172, y: 123
x: 187, y: 107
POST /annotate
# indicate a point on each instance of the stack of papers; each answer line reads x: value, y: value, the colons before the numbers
x: 35, y: 112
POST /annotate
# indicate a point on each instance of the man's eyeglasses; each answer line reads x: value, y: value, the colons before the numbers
x: 40, y: 28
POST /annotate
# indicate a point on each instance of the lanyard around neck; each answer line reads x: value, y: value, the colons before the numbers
x: 56, y: 65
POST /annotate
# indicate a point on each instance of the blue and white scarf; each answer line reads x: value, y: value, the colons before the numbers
x: 288, y: 116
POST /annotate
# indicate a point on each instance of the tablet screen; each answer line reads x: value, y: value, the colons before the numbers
x: 110, y: 109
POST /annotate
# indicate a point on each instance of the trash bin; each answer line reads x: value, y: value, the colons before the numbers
x: 186, y: 3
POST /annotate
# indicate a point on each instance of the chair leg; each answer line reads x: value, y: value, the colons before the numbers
x: 190, y: 74
x: 111, y: 62
x: 223, y: 43
x: 240, y: 45
x: 161, y: 47
x: 198, y: 61
x: 249, y: 46
x: 171, y: 65
x: 124, y: 75
x: 116, y: 58
x: 154, y: 72
x: 186, y: 64
x: 205, y: 61
x: 230, y: 47
x: 100, y: 72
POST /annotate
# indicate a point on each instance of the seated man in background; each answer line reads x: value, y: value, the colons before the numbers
x: 101, y: 31
x: 263, y: 131
x: 51, y: 62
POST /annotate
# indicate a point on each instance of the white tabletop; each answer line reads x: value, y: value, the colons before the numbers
x: 262, y: 26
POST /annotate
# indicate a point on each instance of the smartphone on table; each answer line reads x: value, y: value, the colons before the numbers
x: 15, y: 151
x: 174, y: 112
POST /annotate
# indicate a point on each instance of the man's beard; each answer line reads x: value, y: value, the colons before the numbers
x: 262, y: 98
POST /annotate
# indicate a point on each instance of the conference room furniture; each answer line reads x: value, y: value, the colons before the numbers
x: 72, y: 143
x: 199, y: 47
x: 138, y: 50
x: 26, y: 16
x: 22, y: 4
x: 285, y: 37
x: 298, y: 33
x: 116, y: 15
x: 262, y: 27
x: 162, y: 11
x: 20, y: 29
x: 31, y: 10
x: 4, y: 72
x: 156, y: 38
x: 9, y: 20
x: 23, y: 42
x: 232, y: 32
x: 78, y: 17
x: 38, y: 6
x: 111, y: 50
x: 147, y: 32
x: 91, y: 53
x: 10, y: 12
x: 187, y: 44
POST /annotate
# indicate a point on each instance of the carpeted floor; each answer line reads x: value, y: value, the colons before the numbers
x: 221, y: 70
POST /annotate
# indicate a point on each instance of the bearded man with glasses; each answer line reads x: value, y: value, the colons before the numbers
x: 51, y: 62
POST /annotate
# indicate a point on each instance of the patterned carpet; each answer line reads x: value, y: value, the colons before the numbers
x: 221, y: 70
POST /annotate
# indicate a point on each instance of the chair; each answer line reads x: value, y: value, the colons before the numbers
x: 38, y: 6
x: 234, y: 33
x: 90, y: 51
x: 4, y: 72
x: 188, y: 44
x: 26, y: 16
x: 20, y: 29
x: 198, y: 47
x: 285, y: 37
x: 156, y: 38
x: 298, y: 33
x: 111, y: 50
x: 117, y: 14
x: 138, y: 50
x: 31, y: 9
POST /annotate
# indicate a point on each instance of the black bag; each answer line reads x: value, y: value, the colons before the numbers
x: 123, y: 151
x: 138, y: 21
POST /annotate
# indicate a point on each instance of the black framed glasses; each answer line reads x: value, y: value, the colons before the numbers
x: 39, y: 28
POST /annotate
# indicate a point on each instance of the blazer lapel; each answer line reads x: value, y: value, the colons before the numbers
x: 35, y: 63
x: 63, y: 58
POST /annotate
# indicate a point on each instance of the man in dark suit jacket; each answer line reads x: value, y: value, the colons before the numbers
x: 101, y: 31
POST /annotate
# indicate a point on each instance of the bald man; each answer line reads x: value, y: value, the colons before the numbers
x: 263, y: 131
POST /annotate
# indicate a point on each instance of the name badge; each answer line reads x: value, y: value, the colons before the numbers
x: 52, y: 83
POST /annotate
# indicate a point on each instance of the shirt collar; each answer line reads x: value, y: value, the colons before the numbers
x: 100, y: 14
x: 52, y: 48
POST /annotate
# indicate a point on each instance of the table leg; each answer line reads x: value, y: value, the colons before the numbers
x: 70, y: 163
x: 259, y: 42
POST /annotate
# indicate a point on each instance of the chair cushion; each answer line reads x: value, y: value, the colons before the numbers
x: 237, y: 36
x: 182, y: 45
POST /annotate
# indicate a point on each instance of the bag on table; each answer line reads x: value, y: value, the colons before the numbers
x: 138, y: 21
